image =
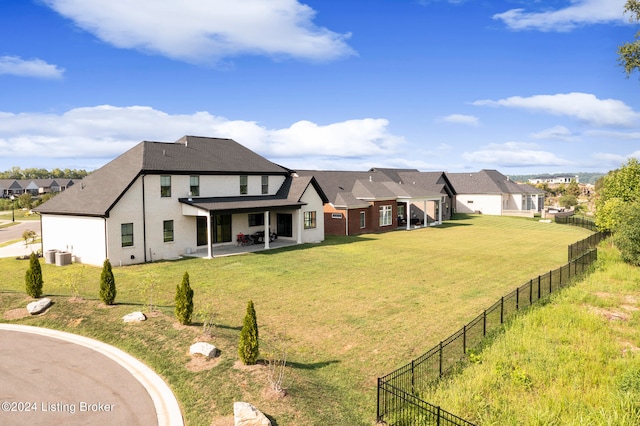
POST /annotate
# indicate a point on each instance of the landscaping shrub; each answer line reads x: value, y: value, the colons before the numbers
x: 184, y: 301
x: 248, y: 348
x: 33, y: 277
x: 107, y: 284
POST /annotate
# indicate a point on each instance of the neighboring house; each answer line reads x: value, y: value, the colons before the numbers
x: 491, y: 192
x: 161, y: 200
x: 11, y: 187
x: 554, y: 180
x: 364, y: 202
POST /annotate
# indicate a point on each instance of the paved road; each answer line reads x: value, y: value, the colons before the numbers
x: 48, y: 377
x: 14, y: 232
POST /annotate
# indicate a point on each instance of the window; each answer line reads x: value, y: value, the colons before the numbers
x: 265, y: 184
x: 167, y: 226
x: 244, y: 186
x: 194, y: 186
x: 309, y: 220
x: 126, y: 232
x: 385, y: 215
x: 363, y: 223
x: 165, y: 186
x: 256, y: 219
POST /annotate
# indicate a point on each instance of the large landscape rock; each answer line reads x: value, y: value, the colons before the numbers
x: 38, y: 306
x: 203, y: 348
x: 134, y: 317
x: 245, y: 414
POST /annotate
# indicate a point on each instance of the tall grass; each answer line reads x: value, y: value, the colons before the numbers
x: 353, y: 308
x: 573, y: 361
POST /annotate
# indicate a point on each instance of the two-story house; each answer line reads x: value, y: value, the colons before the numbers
x: 162, y: 200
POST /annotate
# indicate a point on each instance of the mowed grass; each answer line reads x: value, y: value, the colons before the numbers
x: 573, y: 361
x: 353, y: 308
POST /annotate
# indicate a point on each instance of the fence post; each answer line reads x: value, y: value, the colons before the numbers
x: 530, y: 292
x: 438, y: 418
x: 550, y: 282
x: 441, y: 355
x: 464, y: 339
x: 378, y: 417
x: 517, y: 298
x: 484, y: 323
x: 502, y: 310
x: 539, y: 287
x: 413, y: 391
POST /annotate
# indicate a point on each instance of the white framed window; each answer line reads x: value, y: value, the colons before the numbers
x: 385, y: 216
x: 265, y: 185
x: 167, y: 227
x: 126, y: 234
x: 165, y: 186
x: 244, y: 184
x: 309, y: 220
x: 363, y: 222
x: 194, y: 186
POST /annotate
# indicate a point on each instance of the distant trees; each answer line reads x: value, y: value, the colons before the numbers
x: 629, y: 53
x: 33, y: 173
x: 33, y: 277
x: 107, y: 284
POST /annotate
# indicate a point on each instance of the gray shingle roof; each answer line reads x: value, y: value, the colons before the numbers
x: 97, y: 193
x: 488, y: 182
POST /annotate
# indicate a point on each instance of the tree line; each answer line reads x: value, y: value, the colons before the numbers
x: 35, y: 173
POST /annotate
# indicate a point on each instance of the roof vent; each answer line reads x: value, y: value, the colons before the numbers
x: 370, y: 179
x: 164, y: 153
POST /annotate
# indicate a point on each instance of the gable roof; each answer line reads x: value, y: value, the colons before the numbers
x: 97, y: 193
x: 289, y: 195
x: 436, y: 182
x: 488, y: 182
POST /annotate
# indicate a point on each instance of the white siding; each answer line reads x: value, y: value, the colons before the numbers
x: 486, y: 204
x: 84, y: 237
x: 314, y: 203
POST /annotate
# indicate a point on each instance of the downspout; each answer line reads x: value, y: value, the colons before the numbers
x: 346, y: 221
x: 41, y: 239
x: 209, y: 242
x: 106, y: 240
x: 144, y: 222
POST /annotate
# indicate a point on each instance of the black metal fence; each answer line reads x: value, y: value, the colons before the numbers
x: 398, y: 392
x: 577, y: 221
x: 582, y: 246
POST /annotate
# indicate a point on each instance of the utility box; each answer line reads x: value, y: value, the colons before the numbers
x: 50, y: 256
x: 63, y: 258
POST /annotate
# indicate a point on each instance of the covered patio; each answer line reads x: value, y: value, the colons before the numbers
x: 223, y: 250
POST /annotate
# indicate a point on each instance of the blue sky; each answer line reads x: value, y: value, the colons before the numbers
x: 523, y: 87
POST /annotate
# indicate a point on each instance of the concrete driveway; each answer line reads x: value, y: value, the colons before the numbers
x: 51, y: 377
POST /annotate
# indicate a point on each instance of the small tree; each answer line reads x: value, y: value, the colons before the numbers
x: 33, y: 277
x: 568, y: 201
x: 248, y: 348
x: 25, y: 201
x: 184, y: 301
x: 29, y: 237
x: 107, y: 284
x: 149, y: 289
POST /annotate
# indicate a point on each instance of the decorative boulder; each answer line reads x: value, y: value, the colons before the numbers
x: 203, y: 348
x: 245, y: 414
x: 134, y: 317
x: 38, y: 306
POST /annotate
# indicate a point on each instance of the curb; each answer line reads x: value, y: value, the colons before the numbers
x: 166, y: 405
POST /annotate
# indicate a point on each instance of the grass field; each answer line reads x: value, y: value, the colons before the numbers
x: 353, y: 309
x: 575, y: 361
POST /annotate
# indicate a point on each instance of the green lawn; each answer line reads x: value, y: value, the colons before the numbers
x: 353, y: 308
x: 575, y: 361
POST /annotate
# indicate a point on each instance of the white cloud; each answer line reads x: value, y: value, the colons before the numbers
x: 583, y: 106
x: 514, y: 154
x: 580, y: 12
x: 104, y: 132
x: 37, y: 68
x: 560, y: 133
x: 202, y: 31
x: 461, y: 119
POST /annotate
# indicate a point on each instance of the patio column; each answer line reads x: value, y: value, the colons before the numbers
x: 209, y: 242
x: 407, y: 215
x: 267, y: 230
x: 300, y: 226
x: 440, y: 211
x: 425, y: 221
